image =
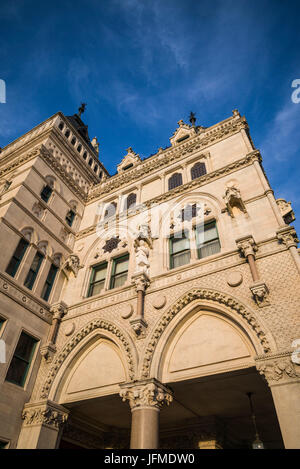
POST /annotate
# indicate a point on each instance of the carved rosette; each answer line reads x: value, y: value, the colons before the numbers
x: 146, y: 394
x: 260, y: 293
x: 247, y: 246
x: 47, y: 414
x: 278, y: 369
x: 288, y: 236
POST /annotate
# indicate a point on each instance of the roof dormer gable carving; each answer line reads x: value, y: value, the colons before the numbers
x: 130, y: 160
x: 182, y: 133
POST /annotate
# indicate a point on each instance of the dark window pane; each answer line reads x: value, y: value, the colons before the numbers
x: 131, y: 201
x: 119, y: 272
x: 111, y: 210
x: 175, y: 181
x: 97, y: 281
x: 70, y: 217
x: 208, y: 240
x: 17, y: 257
x: 46, y: 192
x: 49, y: 282
x: 33, y: 271
x: 179, y: 251
x: 20, y: 362
x: 198, y: 170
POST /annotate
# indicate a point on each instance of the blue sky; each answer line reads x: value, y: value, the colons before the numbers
x: 142, y: 65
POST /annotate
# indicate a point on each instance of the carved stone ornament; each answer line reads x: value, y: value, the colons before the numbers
x: 234, y: 279
x: 232, y: 198
x: 72, y: 264
x: 286, y: 210
x: 260, y: 292
x: 58, y: 310
x: 48, y: 351
x: 159, y: 301
x: 127, y: 311
x: 142, y: 246
x: 288, y: 236
x: 139, y: 326
x: 278, y: 368
x: 47, y: 414
x: 246, y: 245
x: 141, y: 281
x: 146, y: 394
x: 111, y: 244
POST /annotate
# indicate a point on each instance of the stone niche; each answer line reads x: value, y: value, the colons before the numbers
x: 205, y: 344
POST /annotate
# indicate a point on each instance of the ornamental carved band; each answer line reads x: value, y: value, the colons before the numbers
x: 246, y: 245
x: 44, y: 415
x: 205, y: 294
x: 97, y: 324
x: 152, y: 394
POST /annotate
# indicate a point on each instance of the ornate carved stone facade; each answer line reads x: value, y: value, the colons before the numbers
x: 173, y: 301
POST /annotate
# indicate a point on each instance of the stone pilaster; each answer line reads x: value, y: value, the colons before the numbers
x: 145, y: 399
x: 138, y: 323
x: 58, y: 310
x: 42, y: 425
x: 283, y: 376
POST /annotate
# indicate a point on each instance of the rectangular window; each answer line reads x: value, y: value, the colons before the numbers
x: 97, y: 280
x: 33, y: 271
x: 119, y: 272
x: 20, y: 363
x: 17, y: 257
x: 179, y: 251
x: 46, y: 192
x: 49, y: 282
x: 207, y: 240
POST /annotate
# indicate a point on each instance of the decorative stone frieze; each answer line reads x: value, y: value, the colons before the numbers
x: 48, y: 414
x: 288, y: 236
x: 246, y: 245
x: 146, y: 394
x: 260, y: 292
x: 278, y: 368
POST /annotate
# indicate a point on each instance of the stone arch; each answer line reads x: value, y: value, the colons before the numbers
x: 219, y: 302
x: 77, y: 342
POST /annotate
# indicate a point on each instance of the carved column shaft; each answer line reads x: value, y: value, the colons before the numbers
x: 253, y: 268
x: 247, y: 247
x: 145, y: 399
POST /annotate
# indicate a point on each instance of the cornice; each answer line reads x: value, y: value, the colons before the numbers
x: 202, y: 180
x: 163, y: 158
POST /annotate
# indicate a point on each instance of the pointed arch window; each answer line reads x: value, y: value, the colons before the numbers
x: 110, y: 210
x: 198, y: 170
x: 175, y: 180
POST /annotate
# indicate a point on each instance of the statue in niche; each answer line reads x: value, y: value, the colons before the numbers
x: 141, y: 256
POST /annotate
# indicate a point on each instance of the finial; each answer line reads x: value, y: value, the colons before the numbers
x: 192, y: 119
x: 81, y: 109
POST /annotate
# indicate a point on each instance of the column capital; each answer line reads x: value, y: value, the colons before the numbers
x: 147, y: 393
x: 58, y: 310
x: 260, y: 293
x: 44, y: 413
x: 141, y: 281
x: 246, y: 245
x: 278, y: 368
x: 288, y: 236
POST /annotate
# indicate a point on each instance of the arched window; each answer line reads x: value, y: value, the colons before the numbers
x: 198, y: 170
x: 61, y: 126
x: 130, y: 201
x: 70, y: 217
x: 67, y: 133
x: 175, y: 180
x: 110, y: 210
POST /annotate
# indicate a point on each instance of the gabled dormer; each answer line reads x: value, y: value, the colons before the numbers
x: 130, y: 160
x: 182, y: 133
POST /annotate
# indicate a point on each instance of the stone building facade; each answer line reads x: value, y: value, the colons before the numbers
x: 141, y: 309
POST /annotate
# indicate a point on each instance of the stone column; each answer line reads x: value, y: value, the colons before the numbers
x: 42, y: 425
x: 283, y: 377
x: 247, y: 246
x: 288, y: 236
x: 138, y: 323
x: 145, y: 399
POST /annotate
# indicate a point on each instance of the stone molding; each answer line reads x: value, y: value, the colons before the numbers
x: 278, y: 368
x: 46, y: 413
x: 76, y: 339
x: 187, y: 298
x: 246, y: 245
x: 150, y: 393
x: 288, y: 236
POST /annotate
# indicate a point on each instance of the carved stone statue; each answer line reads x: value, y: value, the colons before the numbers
x: 73, y: 264
x: 141, y: 256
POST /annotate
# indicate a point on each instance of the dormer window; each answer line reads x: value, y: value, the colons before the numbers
x: 175, y: 181
x: 198, y: 170
x: 61, y: 126
x: 128, y: 167
x: 185, y: 137
x: 70, y: 217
